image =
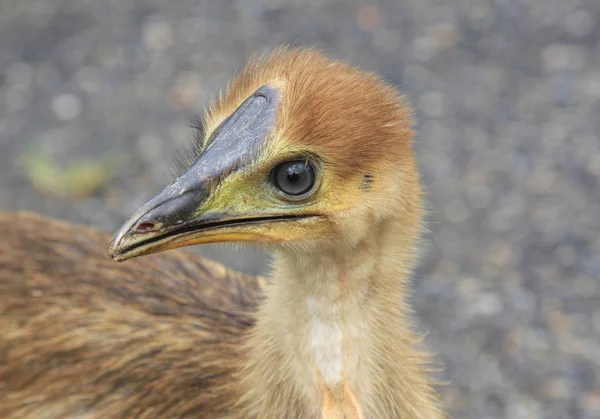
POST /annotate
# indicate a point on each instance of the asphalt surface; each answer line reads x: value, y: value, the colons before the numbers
x: 96, y: 95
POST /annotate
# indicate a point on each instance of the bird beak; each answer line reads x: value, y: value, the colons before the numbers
x: 193, y: 210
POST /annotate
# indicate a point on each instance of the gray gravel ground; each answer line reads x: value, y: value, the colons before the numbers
x: 507, y: 94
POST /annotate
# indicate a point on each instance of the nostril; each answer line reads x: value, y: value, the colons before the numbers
x: 145, y: 226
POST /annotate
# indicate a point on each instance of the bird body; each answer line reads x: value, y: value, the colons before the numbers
x: 310, y: 158
x: 82, y: 336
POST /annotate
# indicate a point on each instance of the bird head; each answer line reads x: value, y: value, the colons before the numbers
x: 300, y: 152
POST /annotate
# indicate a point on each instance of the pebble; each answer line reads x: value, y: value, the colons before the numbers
x: 524, y: 408
x: 150, y: 147
x: 485, y: 304
x: 89, y: 79
x: 479, y: 196
x: 19, y: 75
x: 66, y: 106
x: 557, y: 389
x: 424, y: 48
x: 432, y: 104
x: 368, y: 18
x: 157, y: 34
x: 592, y: 85
x: 16, y: 99
x: 559, y: 57
x: 186, y: 90
x: 579, y: 23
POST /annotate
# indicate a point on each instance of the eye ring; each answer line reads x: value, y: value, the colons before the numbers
x: 294, y: 178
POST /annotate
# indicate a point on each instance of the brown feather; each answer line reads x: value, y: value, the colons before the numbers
x: 82, y: 335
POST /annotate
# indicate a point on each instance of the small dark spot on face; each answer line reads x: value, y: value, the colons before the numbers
x: 366, y: 183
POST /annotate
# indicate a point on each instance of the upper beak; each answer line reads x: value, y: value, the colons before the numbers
x: 170, y: 211
x: 178, y: 216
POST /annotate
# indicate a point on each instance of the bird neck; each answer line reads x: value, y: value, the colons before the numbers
x: 333, y: 339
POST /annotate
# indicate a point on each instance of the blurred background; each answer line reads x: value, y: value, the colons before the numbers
x: 95, y: 96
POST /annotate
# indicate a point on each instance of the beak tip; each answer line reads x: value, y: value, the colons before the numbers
x: 112, y: 250
x: 117, y: 258
x: 114, y: 247
x: 114, y: 254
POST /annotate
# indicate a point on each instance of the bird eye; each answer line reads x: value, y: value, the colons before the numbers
x: 294, y: 177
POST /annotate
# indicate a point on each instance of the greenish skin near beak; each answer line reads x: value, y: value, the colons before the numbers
x: 172, y: 219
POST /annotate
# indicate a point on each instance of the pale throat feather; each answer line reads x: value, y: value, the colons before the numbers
x: 334, y: 291
x: 336, y: 321
x: 326, y: 341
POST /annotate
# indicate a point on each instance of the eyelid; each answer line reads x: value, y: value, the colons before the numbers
x: 307, y: 156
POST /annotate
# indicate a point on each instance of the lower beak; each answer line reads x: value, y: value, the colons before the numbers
x: 130, y: 243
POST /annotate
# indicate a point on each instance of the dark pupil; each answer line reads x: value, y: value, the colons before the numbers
x: 292, y: 174
x: 294, y: 178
